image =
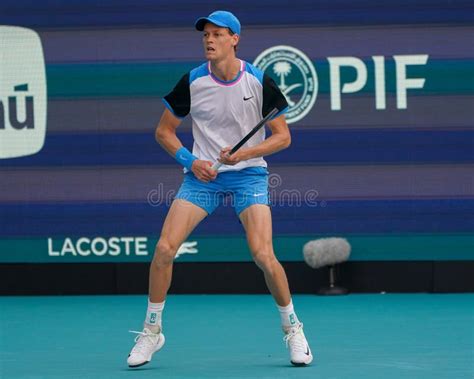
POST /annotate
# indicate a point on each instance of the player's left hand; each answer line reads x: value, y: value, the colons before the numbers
x: 233, y: 159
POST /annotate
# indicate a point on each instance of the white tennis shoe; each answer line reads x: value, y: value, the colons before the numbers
x: 300, y: 353
x: 146, y: 344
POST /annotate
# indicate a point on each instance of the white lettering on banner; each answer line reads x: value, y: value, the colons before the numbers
x: 99, y: 246
x: 335, y: 65
x: 401, y: 63
x: 68, y: 247
x: 379, y: 63
x: 99, y: 241
x: 113, y: 246
x: 296, y: 76
x: 79, y: 243
x: 140, y: 246
x: 23, y: 95
x: 127, y: 241
x: 51, y: 252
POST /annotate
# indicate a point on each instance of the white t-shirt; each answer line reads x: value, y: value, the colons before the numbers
x: 223, y: 113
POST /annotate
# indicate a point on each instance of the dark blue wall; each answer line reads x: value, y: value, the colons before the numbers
x: 74, y: 13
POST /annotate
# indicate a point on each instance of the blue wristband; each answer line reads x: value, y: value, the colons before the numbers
x: 185, y: 157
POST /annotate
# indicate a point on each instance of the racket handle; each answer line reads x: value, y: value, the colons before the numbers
x: 216, y: 166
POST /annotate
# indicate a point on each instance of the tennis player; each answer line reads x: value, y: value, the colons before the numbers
x: 225, y: 97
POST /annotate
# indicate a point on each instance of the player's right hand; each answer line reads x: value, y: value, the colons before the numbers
x: 203, y: 170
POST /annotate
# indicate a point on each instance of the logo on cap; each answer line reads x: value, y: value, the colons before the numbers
x: 294, y: 74
x: 22, y: 93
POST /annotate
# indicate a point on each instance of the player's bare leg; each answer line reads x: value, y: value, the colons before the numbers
x: 257, y: 221
x: 182, y: 218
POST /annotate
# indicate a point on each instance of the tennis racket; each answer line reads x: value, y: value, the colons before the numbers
x: 256, y: 128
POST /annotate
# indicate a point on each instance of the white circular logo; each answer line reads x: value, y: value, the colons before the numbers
x: 294, y: 74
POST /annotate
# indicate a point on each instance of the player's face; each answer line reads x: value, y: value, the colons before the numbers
x: 218, y: 42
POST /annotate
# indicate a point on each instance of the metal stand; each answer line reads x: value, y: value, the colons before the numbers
x: 333, y: 289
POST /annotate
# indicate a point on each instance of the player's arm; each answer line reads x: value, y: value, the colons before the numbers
x: 165, y: 135
x: 280, y: 139
x: 178, y: 104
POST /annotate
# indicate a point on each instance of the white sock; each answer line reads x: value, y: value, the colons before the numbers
x: 153, y: 316
x: 288, y: 316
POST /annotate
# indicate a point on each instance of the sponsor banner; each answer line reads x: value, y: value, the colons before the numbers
x: 230, y: 248
x: 296, y: 77
x: 385, y: 101
x: 22, y: 92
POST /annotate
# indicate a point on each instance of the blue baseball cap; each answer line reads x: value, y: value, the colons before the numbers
x: 223, y: 19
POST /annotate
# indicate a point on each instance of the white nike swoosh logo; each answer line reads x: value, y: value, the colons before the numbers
x: 259, y: 194
x: 181, y: 156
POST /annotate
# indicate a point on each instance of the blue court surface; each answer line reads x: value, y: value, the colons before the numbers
x: 377, y: 336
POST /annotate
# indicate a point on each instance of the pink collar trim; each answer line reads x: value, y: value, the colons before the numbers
x: 230, y: 82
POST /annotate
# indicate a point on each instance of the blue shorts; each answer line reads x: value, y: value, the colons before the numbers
x: 241, y: 189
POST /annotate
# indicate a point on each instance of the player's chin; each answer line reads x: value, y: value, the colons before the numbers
x: 210, y: 54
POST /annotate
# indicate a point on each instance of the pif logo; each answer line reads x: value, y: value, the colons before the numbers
x: 22, y: 92
x: 296, y: 75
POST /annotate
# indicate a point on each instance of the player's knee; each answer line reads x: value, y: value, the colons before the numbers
x: 265, y: 260
x: 164, y: 253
